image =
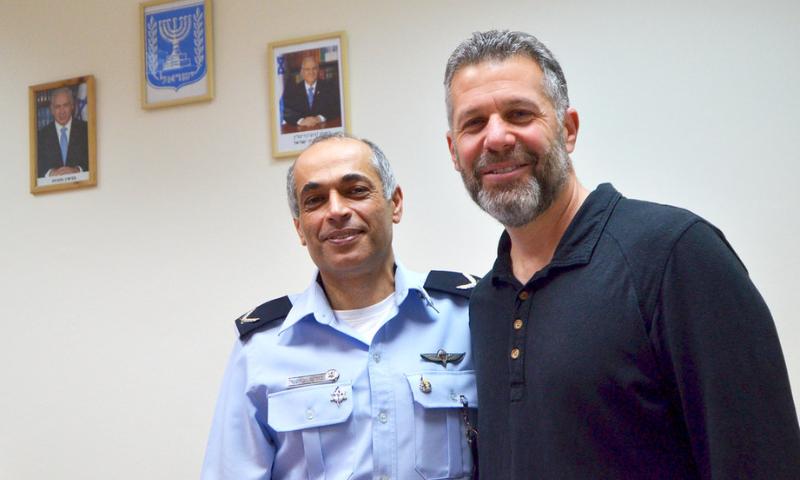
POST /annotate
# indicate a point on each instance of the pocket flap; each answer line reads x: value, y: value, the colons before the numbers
x: 445, y: 388
x: 309, y: 407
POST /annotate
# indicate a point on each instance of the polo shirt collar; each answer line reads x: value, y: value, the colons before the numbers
x: 578, y: 242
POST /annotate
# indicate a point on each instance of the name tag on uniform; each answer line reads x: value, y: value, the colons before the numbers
x: 316, y: 379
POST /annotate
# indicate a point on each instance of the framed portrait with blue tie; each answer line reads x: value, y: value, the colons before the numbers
x: 63, y: 135
x: 308, y: 91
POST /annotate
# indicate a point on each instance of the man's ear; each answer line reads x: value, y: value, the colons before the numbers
x: 571, y: 124
x: 299, y: 232
x: 397, y: 205
x: 452, y: 146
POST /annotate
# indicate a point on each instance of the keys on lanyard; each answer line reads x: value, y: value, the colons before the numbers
x: 472, y: 436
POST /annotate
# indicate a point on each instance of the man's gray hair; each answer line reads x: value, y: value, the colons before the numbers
x: 500, y: 45
x: 61, y: 90
x: 378, y: 161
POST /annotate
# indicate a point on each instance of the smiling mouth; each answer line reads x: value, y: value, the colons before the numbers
x: 343, y: 236
x: 498, y: 171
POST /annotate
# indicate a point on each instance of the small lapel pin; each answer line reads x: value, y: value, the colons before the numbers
x: 442, y: 357
x: 338, y: 396
x: 424, y: 385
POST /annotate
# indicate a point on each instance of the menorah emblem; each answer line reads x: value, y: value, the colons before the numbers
x: 174, y: 30
x: 184, y: 30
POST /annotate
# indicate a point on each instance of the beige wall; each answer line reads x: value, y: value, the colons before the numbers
x: 117, y: 302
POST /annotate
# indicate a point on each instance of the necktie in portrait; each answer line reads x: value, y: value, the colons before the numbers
x: 64, y: 142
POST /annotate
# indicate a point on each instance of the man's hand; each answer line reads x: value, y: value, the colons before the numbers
x: 63, y: 171
x: 309, y: 122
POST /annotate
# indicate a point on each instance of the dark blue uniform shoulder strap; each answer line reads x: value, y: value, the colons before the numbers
x: 263, y: 315
x: 453, y: 283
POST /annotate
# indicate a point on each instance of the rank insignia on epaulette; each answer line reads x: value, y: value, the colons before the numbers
x: 452, y: 283
x: 442, y: 357
x: 246, y: 317
x: 471, y: 284
x: 263, y: 315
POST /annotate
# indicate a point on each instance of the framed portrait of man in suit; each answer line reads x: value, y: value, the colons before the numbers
x: 63, y: 135
x: 308, y: 91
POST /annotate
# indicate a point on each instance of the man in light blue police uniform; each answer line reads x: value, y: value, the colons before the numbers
x: 366, y: 374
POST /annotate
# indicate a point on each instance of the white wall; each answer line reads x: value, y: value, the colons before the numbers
x: 117, y: 303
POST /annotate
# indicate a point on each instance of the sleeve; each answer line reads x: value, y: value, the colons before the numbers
x: 718, y: 339
x: 292, y: 112
x: 238, y: 445
x: 331, y: 107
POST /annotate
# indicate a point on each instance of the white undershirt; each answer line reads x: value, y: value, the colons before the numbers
x: 368, y: 320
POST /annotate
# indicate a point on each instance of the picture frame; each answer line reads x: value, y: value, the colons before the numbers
x: 295, y: 118
x: 177, y: 51
x: 66, y: 159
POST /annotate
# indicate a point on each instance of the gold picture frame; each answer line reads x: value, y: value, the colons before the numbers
x: 63, y: 135
x: 296, y: 119
x: 177, y: 52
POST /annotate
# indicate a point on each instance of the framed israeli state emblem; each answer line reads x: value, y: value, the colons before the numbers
x: 177, y: 52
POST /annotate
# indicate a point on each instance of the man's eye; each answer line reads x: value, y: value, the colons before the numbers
x: 472, y: 124
x: 312, y: 201
x: 359, y: 190
x: 520, y: 115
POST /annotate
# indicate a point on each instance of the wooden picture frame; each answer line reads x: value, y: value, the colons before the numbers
x: 65, y: 108
x: 296, y: 120
x: 177, y: 52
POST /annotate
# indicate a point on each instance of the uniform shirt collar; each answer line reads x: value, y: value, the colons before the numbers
x: 578, y: 242
x: 313, y: 302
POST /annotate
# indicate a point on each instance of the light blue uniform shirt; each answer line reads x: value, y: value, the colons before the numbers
x: 385, y: 428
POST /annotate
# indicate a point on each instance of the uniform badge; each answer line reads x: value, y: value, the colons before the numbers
x: 338, y: 396
x: 442, y: 357
x: 317, y: 379
x: 424, y: 385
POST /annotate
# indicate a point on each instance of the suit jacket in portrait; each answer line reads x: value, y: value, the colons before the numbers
x: 48, y: 149
x: 326, y: 102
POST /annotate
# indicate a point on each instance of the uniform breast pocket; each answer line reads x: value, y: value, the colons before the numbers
x: 321, y: 418
x: 442, y: 451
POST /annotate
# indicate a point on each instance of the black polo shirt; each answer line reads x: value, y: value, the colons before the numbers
x: 642, y: 351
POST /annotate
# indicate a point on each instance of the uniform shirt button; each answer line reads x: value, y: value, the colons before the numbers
x: 384, y: 477
x: 383, y: 417
x: 517, y: 324
x: 515, y: 353
x: 310, y: 414
x: 377, y: 358
x: 523, y: 295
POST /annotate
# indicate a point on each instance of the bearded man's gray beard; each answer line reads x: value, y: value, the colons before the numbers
x: 521, y: 202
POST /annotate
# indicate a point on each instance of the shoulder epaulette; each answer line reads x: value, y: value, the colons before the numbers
x: 454, y: 283
x: 263, y: 315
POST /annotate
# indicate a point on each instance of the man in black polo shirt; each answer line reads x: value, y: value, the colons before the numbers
x: 613, y: 338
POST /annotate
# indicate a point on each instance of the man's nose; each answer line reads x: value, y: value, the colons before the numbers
x: 498, y: 135
x: 338, y: 208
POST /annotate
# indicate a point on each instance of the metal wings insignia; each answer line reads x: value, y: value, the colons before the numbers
x: 442, y: 357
